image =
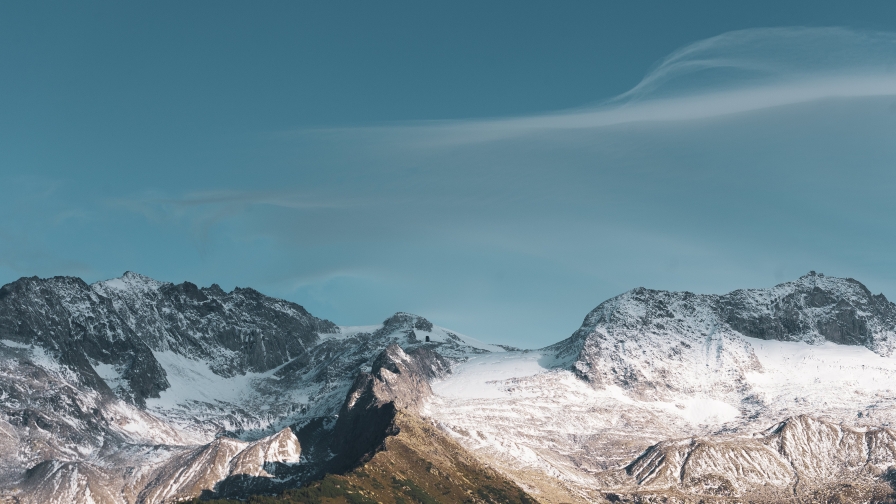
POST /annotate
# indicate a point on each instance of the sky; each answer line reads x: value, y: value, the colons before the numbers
x: 500, y: 168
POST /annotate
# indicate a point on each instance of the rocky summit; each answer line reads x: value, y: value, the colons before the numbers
x: 133, y: 390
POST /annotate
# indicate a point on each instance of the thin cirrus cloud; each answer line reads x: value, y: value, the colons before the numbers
x: 734, y: 72
x: 202, y: 210
x: 217, y: 204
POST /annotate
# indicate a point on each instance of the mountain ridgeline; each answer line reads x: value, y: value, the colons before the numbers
x: 811, y: 309
x: 121, y: 322
x: 133, y: 390
x: 707, y: 329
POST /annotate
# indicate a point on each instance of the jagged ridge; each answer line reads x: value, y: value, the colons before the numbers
x: 122, y: 322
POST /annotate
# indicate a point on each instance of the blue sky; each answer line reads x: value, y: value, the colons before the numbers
x: 498, y: 167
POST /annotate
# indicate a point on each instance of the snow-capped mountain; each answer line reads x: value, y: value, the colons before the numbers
x: 151, y: 378
x: 136, y: 391
x: 680, y: 394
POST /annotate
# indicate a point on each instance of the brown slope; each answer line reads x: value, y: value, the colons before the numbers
x: 418, y: 465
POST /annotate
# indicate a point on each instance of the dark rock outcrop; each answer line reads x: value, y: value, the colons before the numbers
x: 397, y: 381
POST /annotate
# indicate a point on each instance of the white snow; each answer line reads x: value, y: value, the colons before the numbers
x: 800, y: 365
x: 193, y: 380
x: 145, y: 428
x: 108, y: 373
x: 684, y: 373
x: 839, y: 380
x: 128, y: 282
x: 514, y: 409
x: 13, y: 344
x: 700, y: 410
x: 115, y: 283
x: 349, y: 331
x: 517, y: 377
x: 437, y: 334
x: 443, y: 335
x: 481, y: 377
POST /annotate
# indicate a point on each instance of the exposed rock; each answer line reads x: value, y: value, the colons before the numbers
x: 59, y: 482
x: 419, y: 464
x: 152, y: 390
x: 204, y: 469
x: 397, y: 381
x: 133, y: 390
x: 122, y: 322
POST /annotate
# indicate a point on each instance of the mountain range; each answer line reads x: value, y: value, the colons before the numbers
x: 133, y: 390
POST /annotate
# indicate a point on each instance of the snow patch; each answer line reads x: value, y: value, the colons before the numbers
x: 116, y: 283
x: 701, y: 410
x: 13, y: 344
x: 481, y: 377
x: 828, y: 375
x: 346, y: 332
x: 193, y: 380
x: 109, y: 374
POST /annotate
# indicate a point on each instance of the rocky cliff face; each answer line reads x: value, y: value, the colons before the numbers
x: 397, y: 381
x: 122, y: 323
x: 225, y: 466
x: 803, y: 456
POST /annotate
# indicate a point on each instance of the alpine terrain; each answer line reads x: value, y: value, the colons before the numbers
x: 133, y: 390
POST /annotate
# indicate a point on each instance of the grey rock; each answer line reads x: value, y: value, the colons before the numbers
x: 123, y: 321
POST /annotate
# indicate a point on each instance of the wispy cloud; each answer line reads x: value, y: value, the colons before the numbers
x: 152, y: 204
x: 203, y: 210
x: 732, y: 73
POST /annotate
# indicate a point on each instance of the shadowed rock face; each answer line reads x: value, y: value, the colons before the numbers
x: 397, y: 381
x: 841, y: 311
x: 419, y: 464
x: 121, y: 322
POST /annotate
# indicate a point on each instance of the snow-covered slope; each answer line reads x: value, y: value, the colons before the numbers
x: 654, y: 372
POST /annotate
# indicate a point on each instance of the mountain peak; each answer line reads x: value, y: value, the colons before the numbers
x: 129, y: 281
x: 703, y: 330
x: 403, y: 321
